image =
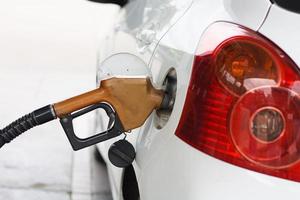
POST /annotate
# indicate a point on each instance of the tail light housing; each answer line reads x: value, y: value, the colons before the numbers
x: 243, y: 103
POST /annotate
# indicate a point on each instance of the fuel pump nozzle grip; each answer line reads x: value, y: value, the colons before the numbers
x: 115, y: 127
x: 127, y: 101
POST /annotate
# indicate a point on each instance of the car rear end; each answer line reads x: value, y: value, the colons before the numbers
x: 234, y: 129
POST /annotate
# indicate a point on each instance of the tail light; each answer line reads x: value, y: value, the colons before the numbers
x: 243, y: 103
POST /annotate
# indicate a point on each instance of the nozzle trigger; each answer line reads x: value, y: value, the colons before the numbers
x: 79, y: 143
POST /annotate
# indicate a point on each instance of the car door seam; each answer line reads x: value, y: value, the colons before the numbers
x: 265, y: 18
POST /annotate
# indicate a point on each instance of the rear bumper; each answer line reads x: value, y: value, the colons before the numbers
x: 182, y: 172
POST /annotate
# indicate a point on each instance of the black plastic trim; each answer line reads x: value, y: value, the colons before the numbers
x: 80, y: 143
x: 118, y: 2
x: 291, y: 5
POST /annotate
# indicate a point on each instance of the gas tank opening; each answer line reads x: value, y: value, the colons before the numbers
x: 169, y: 86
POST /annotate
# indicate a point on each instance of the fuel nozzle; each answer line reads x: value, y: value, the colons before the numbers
x: 127, y: 101
x: 132, y: 98
x: 125, y: 93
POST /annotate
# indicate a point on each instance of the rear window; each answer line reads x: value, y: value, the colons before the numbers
x: 291, y: 5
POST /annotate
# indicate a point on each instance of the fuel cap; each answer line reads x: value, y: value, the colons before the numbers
x: 121, y: 154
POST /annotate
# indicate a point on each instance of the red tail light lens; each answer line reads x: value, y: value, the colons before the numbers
x: 243, y: 103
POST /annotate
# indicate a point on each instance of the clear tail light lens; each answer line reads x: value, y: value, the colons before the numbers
x: 243, y: 103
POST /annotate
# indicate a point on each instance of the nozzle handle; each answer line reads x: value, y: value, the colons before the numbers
x: 79, y: 143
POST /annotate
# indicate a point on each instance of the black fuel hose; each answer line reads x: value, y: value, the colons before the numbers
x: 21, y: 125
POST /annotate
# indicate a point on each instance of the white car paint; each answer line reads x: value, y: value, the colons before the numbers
x: 166, y: 167
x: 282, y: 27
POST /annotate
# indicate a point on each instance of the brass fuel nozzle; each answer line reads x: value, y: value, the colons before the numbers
x: 127, y: 102
x: 132, y: 98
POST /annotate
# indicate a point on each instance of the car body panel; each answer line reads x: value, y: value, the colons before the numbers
x: 139, y: 27
x: 282, y: 27
x: 190, y: 174
x: 165, y: 164
x: 203, y: 13
x: 185, y: 169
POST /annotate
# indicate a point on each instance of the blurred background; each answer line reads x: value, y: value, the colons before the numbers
x: 48, y: 52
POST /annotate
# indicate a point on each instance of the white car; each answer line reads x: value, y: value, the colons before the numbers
x: 233, y: 127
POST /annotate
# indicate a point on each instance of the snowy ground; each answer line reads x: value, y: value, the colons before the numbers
x: 48, y: 53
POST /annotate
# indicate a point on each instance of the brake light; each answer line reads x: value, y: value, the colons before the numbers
x: 243, y: 103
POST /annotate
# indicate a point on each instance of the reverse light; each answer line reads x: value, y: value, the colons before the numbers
x: 267, y: 124
x: 243, y: 103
